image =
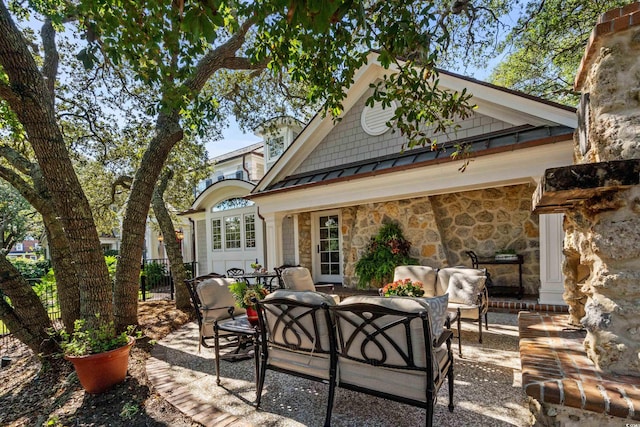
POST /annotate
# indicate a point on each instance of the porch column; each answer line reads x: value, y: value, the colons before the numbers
x: 551, y: 259
x: 273, y: 234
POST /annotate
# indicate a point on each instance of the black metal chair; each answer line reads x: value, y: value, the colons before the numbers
x: 234, y: 272
x: 385, y: 349
x: 297, y: 338
x: 474, y: 264
x: 213, y: 307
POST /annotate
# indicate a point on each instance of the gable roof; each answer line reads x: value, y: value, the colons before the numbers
x: 491, y: 100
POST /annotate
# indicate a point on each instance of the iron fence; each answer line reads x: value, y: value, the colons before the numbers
x: 156, y: 283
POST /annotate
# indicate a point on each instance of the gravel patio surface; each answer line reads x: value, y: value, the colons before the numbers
x: 487, y: 390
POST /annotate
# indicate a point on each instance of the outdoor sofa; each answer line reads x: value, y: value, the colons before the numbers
x: 395, y: 348
x: 468, y: 297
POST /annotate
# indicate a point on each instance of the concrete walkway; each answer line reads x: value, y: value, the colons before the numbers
x: 487, y: 392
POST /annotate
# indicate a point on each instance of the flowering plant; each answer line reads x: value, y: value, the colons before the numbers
x: 245, y: 294
x: 405, y: 287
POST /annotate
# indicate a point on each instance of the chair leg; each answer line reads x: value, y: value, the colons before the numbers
x: 332, y: 391
x: 429, y: 421
x: 459, y: 323
x: 486, y: 320
x: 261, y: 375
x: 479, y: 326
x: 450, y: 378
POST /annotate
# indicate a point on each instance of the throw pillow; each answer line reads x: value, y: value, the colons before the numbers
x: 464, y: 289
x: 437, y: 307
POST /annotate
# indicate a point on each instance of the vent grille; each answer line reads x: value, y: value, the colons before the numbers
x: 374, y: 119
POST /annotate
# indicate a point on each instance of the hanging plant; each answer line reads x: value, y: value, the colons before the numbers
x: 386, y: 250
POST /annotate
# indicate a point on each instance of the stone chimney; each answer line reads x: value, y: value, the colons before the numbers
x: 600, y: 195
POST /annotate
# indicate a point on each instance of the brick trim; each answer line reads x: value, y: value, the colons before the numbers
x: 556, y: 370
x: 609, y: 23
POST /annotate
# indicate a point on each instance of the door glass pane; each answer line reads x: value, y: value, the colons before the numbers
x: 232, y: 232
x: 249, y: 231
x: 329, y: 245
x: 216, y: 234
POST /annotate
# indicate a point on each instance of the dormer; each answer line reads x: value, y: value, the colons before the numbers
x: 278, y: 134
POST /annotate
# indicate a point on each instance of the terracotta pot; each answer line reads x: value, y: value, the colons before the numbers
x: 99, y: 372
x: 252, y: 315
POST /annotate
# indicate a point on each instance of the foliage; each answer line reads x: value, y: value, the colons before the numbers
x: 47, y: 291
x: 386, y: 250
x: 256, y: 266
x: 17, y: 217
x: 245, y: 294
x: 112, y: 263
x: 83, y: 341
x: 31, y: 269
x: 154, y: 272
x: 404, y: 287
x: 546, y: 45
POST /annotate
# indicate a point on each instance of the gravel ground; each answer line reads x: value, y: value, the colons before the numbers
x: 487, y: 389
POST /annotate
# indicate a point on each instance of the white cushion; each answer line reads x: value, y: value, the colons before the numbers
x: 298, y: 278
x: 464, y: 288
x: 288, y: 334
x: 216, y: 299
x: 466, y: 311
x: 444, y: 274
x: 421, y: 273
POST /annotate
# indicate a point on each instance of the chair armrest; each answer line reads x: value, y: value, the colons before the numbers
x: 324, y: 287
x: 445, y: 336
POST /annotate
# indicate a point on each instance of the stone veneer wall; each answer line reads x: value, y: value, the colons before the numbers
x: 442, y: 228
x: 418, y: 222
x: 304, y: 239
x: 486, y: 221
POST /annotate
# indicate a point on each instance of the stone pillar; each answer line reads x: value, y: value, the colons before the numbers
x: 603, y: 231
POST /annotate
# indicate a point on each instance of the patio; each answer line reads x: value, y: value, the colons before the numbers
x: 488, y: 388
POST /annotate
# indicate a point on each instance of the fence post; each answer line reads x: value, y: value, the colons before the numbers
x: 143, y: 287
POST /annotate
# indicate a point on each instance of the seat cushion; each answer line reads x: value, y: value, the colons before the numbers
x: 421, y: 273
x: 298, y: 278
x: 466, y: 311
x: 291, y: 334
x: 436, y: 307
x: 464, y: 288
x: 216, y: 299
x: 313, y: 364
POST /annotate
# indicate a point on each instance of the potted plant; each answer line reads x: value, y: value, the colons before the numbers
x: 99, y: 355
x: 245, y: 295
x: 404, y: 287
x: 386, y: 250
x: 256, y: 266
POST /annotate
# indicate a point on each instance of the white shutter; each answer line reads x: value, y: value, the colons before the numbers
x: 374, y: 119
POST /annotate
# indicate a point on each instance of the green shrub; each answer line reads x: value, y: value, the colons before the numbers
x: 154, y: 272
x: 31, y: 269
x: 386, y: 250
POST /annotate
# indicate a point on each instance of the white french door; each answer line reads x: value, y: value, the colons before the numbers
x: 327, y: 247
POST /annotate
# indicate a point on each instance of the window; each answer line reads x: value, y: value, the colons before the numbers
x: 216, y: 234
x: 239, y: 175
x: 232, y: 232
x: 234, y: 203
x: 19, y: 247
x: 249, y: 231
x: 208, y: 182
x: 276, y: 147
x: 220, y: 177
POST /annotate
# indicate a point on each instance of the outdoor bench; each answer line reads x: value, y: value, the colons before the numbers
x: 370, y: 344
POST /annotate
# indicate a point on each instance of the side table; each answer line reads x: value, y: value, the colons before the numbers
x: 241, y: 327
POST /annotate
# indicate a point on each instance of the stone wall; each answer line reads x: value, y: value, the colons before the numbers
x: 418, y: 222
x: 304, y: 240
x: 442, y: 228
x: 486, y: 221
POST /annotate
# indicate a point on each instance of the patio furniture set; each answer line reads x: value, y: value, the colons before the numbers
x: 398, y: 348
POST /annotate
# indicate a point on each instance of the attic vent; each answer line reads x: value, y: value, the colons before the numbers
x: 374, y: 119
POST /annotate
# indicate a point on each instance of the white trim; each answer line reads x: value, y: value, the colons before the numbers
x: 551, y: 259
x: 315, y: 236
x: 506, y: 168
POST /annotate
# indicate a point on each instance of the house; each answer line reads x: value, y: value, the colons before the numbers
x: 223, y: 229
x: 332, y: 188
x: 28, y: 248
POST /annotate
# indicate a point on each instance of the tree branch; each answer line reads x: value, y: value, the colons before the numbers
x: 9, y: 95
x: 51, y: 57
x: 16, y: 159
x: 122, y: 181
x: 214, y: 59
